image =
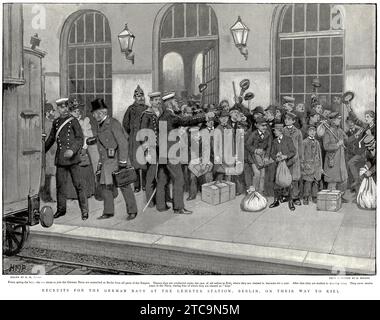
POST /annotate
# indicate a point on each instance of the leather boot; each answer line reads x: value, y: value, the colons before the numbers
x: 291, y: 205
x: 275, y: 203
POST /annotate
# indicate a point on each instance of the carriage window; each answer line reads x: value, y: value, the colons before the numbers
x: 173, y: 72
x: 90, y: 59
x: 310, y: 46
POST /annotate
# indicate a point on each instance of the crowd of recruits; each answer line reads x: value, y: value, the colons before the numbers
x: 278, y: 133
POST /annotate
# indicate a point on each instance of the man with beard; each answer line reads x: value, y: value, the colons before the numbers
x: 131, y: 124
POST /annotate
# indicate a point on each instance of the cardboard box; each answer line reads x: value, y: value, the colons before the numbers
x: 329, y: 200
x: 215, y: 193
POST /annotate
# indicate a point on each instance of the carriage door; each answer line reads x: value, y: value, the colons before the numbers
x: 210, y: 75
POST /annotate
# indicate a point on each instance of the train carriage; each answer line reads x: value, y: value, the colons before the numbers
x: 23, y: 155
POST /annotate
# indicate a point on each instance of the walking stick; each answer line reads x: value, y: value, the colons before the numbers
x: 154, y: 191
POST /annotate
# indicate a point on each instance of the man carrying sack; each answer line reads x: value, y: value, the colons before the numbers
x: 113, y: 151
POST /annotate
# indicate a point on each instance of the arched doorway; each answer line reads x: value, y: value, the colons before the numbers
x: 187, y: 30
x: 86, y: 58
x: 308, y: 42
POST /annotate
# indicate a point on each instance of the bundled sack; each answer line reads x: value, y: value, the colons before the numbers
x: 283, y: 175
x: 253, y: 201
x: 366, y: 198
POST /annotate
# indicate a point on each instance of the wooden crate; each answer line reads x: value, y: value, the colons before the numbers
x: 329, y: 200
x: 215, y: 193
x: 232, y: 188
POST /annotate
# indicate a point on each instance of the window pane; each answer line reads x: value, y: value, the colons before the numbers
x: 324, y: 65
x: 108, y: 71
x: 72, y: 86
x: 108, y: 54
x: 203, y: 20
x: 72, y: 72
x: 99, y: 85
x: 72, y: 57
x: 80, y: 71
x: 99, y: 55
x: 336, y: 84
x: 107, y: 31
x: 99, y: 28
x: 286, y: 84
x: 99, y: 71
x: 89, y: 86
x: 299, y: 47
x: 89, y: 71
x: 287, y: 23
x: 312, y: 17
x: 80, y: 55
x: 166, y: 31
x: 324, y: 17
x: 109, y: 86
x: 336, y: 45
x: 299, y: 66
x: 299, y: 98
x: 309, y: 86
x: 286, y: 48
x: 80, y: 30
x: 214, y: 24
x: 337, y: 65
x: 324, y: 46
x: 72, y: 34
x: 178, y: 21
x: 325, y: 84
x: 89, y: 55
x: 191, y: 20
x: 80, y: 86
x: 299, y: 18
x: 108, y: 100
x: 90, y: 27
x: 311, y: 65
x: 311, y: 47
x: 298, y: 84
x: 286, y: 66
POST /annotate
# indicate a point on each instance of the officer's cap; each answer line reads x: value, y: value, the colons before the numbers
x: 154, y: 94
x: 61, y: 101
x: 168, y: 96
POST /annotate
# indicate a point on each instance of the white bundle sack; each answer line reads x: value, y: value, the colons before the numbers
x: 366, y: 198
x: 253, y: 201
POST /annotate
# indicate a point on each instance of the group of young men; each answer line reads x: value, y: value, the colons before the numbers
x: 310, y: 141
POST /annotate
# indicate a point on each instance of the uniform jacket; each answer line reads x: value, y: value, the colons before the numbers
x: 335, y: 163
x: 174, y: 121
x: 287, y: 148
x: 131, y: 124
x: 311, y: 165
x: 296, y: 136
x: 255, y: 141
x: 70, y: 138
x: 111, y: 136
x: 149, y: 120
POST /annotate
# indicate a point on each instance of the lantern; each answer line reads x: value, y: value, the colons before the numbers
x: 126, y: 39
x: 35, y: 41
x: 239, y: 33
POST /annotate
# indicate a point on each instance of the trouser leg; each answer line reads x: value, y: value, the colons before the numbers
x: 294, y: 190
x: 262, y: 180
x: 129, y: 198
x: 353, y: 167
x: 193, y: 185
x: 143, y: 178
x: 248, y: 175
x: 176, y: 175
x: 186, y: 177
x: 108, y: 202
x: 61, y: 183
x: 162, y: 180
x: 307, y: 188
x: 137, y: 183
x: 314, y: 189
x: 80, y: 187
x: 150, y: 180
x: 256, y: 177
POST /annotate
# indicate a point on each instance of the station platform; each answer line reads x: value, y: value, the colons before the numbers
x: 222, y: 238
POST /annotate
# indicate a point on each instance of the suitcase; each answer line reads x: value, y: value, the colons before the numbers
x: 124, y: 177
x: 329, y: 200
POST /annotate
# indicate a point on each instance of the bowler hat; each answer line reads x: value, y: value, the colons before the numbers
x: 98, y: 104
x: 258, y: 109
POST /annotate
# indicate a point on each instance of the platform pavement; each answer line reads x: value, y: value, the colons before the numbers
x: 343, y: 239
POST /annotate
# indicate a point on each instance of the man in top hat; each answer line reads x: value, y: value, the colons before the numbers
x: 67, y: 133
x: 131, y: 124
x: 113, y: 155
x: 295, y: 134
x: 283, y: 149
x: 335, y: 170
x: 171, y: 165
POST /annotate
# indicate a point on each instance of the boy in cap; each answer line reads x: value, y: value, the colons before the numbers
x: 282, y: 149
x: 67, y: 132
x: 288, y: 103
x: 335, y: 171
x: 113, y: 150
x: 311, y: 165
x: 295, y: 134
x: 131, y: 124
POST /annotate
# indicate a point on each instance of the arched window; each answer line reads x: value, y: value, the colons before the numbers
x: 310, y: 45
x: 197, y: 72
x: 88, y: 57
x: 173, y: 72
